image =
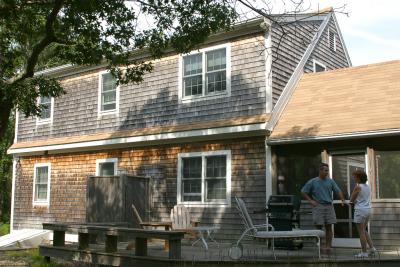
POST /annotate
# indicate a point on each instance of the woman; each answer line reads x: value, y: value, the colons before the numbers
x: 362, y: 212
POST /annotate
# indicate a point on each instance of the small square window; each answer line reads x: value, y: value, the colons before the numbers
x: 106, y: 167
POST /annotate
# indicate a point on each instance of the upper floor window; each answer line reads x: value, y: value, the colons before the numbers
x: 204, y: 178
x: 108, y: 94
x: 206, y: 73
x: 106, y: 167
x: 332, y: 40
x: 41, y: 188
x: 318, y: 66
x: 46, y: 114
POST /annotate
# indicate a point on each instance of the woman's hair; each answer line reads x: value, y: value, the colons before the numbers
x: 361, y: 175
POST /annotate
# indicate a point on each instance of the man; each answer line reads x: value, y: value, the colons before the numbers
x: 318, y: 191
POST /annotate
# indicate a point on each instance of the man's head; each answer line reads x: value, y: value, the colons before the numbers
x: 323, y: 170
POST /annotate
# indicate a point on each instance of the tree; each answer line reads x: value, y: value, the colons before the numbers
x: 6, y: 172
x: 36, y: 34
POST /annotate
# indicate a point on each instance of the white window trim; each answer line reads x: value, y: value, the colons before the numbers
x: 107, y: 112
x: 227, y: 93
x: 227, y: 202
x: 316, y: 62
x: 114, y: 160
x: 47, y: 201
x: 40, y: 121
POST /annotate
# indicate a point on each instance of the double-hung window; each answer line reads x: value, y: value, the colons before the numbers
x: 46, y: 113
x: 108, y: 94
x: 41, y: 184
x: 106, y: 167
x: 206, y: 73
x: 204, y: 178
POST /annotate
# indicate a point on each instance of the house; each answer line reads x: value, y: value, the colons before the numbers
x: 195, y: 129
x: 350, y: 119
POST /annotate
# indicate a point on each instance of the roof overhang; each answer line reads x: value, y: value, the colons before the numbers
x: 334, y: 137
x: 256, y: 129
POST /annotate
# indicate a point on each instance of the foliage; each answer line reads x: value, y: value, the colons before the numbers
x: 39, y: 34
x: 32, y: 258
x: 6, y: 172
x: 4, y: 228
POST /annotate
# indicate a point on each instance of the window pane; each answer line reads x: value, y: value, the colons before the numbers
x: 319, y: 68
x: 45, y: 112
x: 109, y: 92
x: 216, y: 81
x: 41, y: 175
x: 191, y: 167
x: 107, y: 169
x: 192, y: 186
x: 192, y: 64
x: 191, y: 198
x: 387, y: 164
x: 216, y: 59
x: 193, y: 85
x: 216, y: 189
x: 41, y: 192
x: 216, y: 166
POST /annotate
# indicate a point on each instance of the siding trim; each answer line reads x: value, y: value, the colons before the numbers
x: 14, y: 176
x: 240, y: 129
x: 16, y: 125
x: 268, y: 68
x: 294, y: 79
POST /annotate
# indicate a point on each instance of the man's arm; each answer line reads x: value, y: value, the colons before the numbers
x: 312, y: 201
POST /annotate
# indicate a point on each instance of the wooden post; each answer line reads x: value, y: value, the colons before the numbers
x: 141, y: 246
x: 83, y: 240
x: 111, y: 243
x: 58, y: 238
x: 175, y: 249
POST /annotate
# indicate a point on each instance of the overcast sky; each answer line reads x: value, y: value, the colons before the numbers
x: 372, y: 29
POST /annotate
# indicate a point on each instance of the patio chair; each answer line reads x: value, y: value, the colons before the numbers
x: 267, y: 231
x: 180, y: 218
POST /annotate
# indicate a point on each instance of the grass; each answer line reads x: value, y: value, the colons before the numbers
x: 32, y: 257
x: 4, y: 228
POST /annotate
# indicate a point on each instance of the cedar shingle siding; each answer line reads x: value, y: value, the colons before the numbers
x: 69, y: 174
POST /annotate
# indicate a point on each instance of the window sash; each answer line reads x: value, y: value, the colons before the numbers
x: 41, y: 183
x: 108, y: 92
x: 208, y: 70
x: 211, y: 183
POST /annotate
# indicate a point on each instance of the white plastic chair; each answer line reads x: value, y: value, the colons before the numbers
x: 268, y: 232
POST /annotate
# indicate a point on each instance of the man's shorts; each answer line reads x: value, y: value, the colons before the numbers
x: 324, y: 214
x: 362, y: 215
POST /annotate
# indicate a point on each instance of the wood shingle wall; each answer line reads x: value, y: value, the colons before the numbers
x: 155, y: 102
x: 69, y: 173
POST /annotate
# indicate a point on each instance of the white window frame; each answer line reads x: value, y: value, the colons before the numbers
x: 100, y: 87
x: 202, y: 203
x: 114, y: 160
x: 226, y: 93
x: 47, y: 201
x: 40, y: 121
x: 316, y: 62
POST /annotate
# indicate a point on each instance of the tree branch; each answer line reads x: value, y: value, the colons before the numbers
x: 47, y: 39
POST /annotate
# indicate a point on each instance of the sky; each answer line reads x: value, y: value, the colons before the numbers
x: 371, y: 30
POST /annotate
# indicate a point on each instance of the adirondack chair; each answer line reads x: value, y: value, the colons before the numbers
x: 180, y: 218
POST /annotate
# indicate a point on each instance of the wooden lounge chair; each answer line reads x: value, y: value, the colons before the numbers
x: 266, y: 231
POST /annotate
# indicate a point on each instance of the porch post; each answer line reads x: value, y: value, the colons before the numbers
x: 268, y: 172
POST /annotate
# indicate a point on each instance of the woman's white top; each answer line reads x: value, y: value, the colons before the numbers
x: 363, y: 200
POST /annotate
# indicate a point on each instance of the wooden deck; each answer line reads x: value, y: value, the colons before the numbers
x: 254, y: 255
